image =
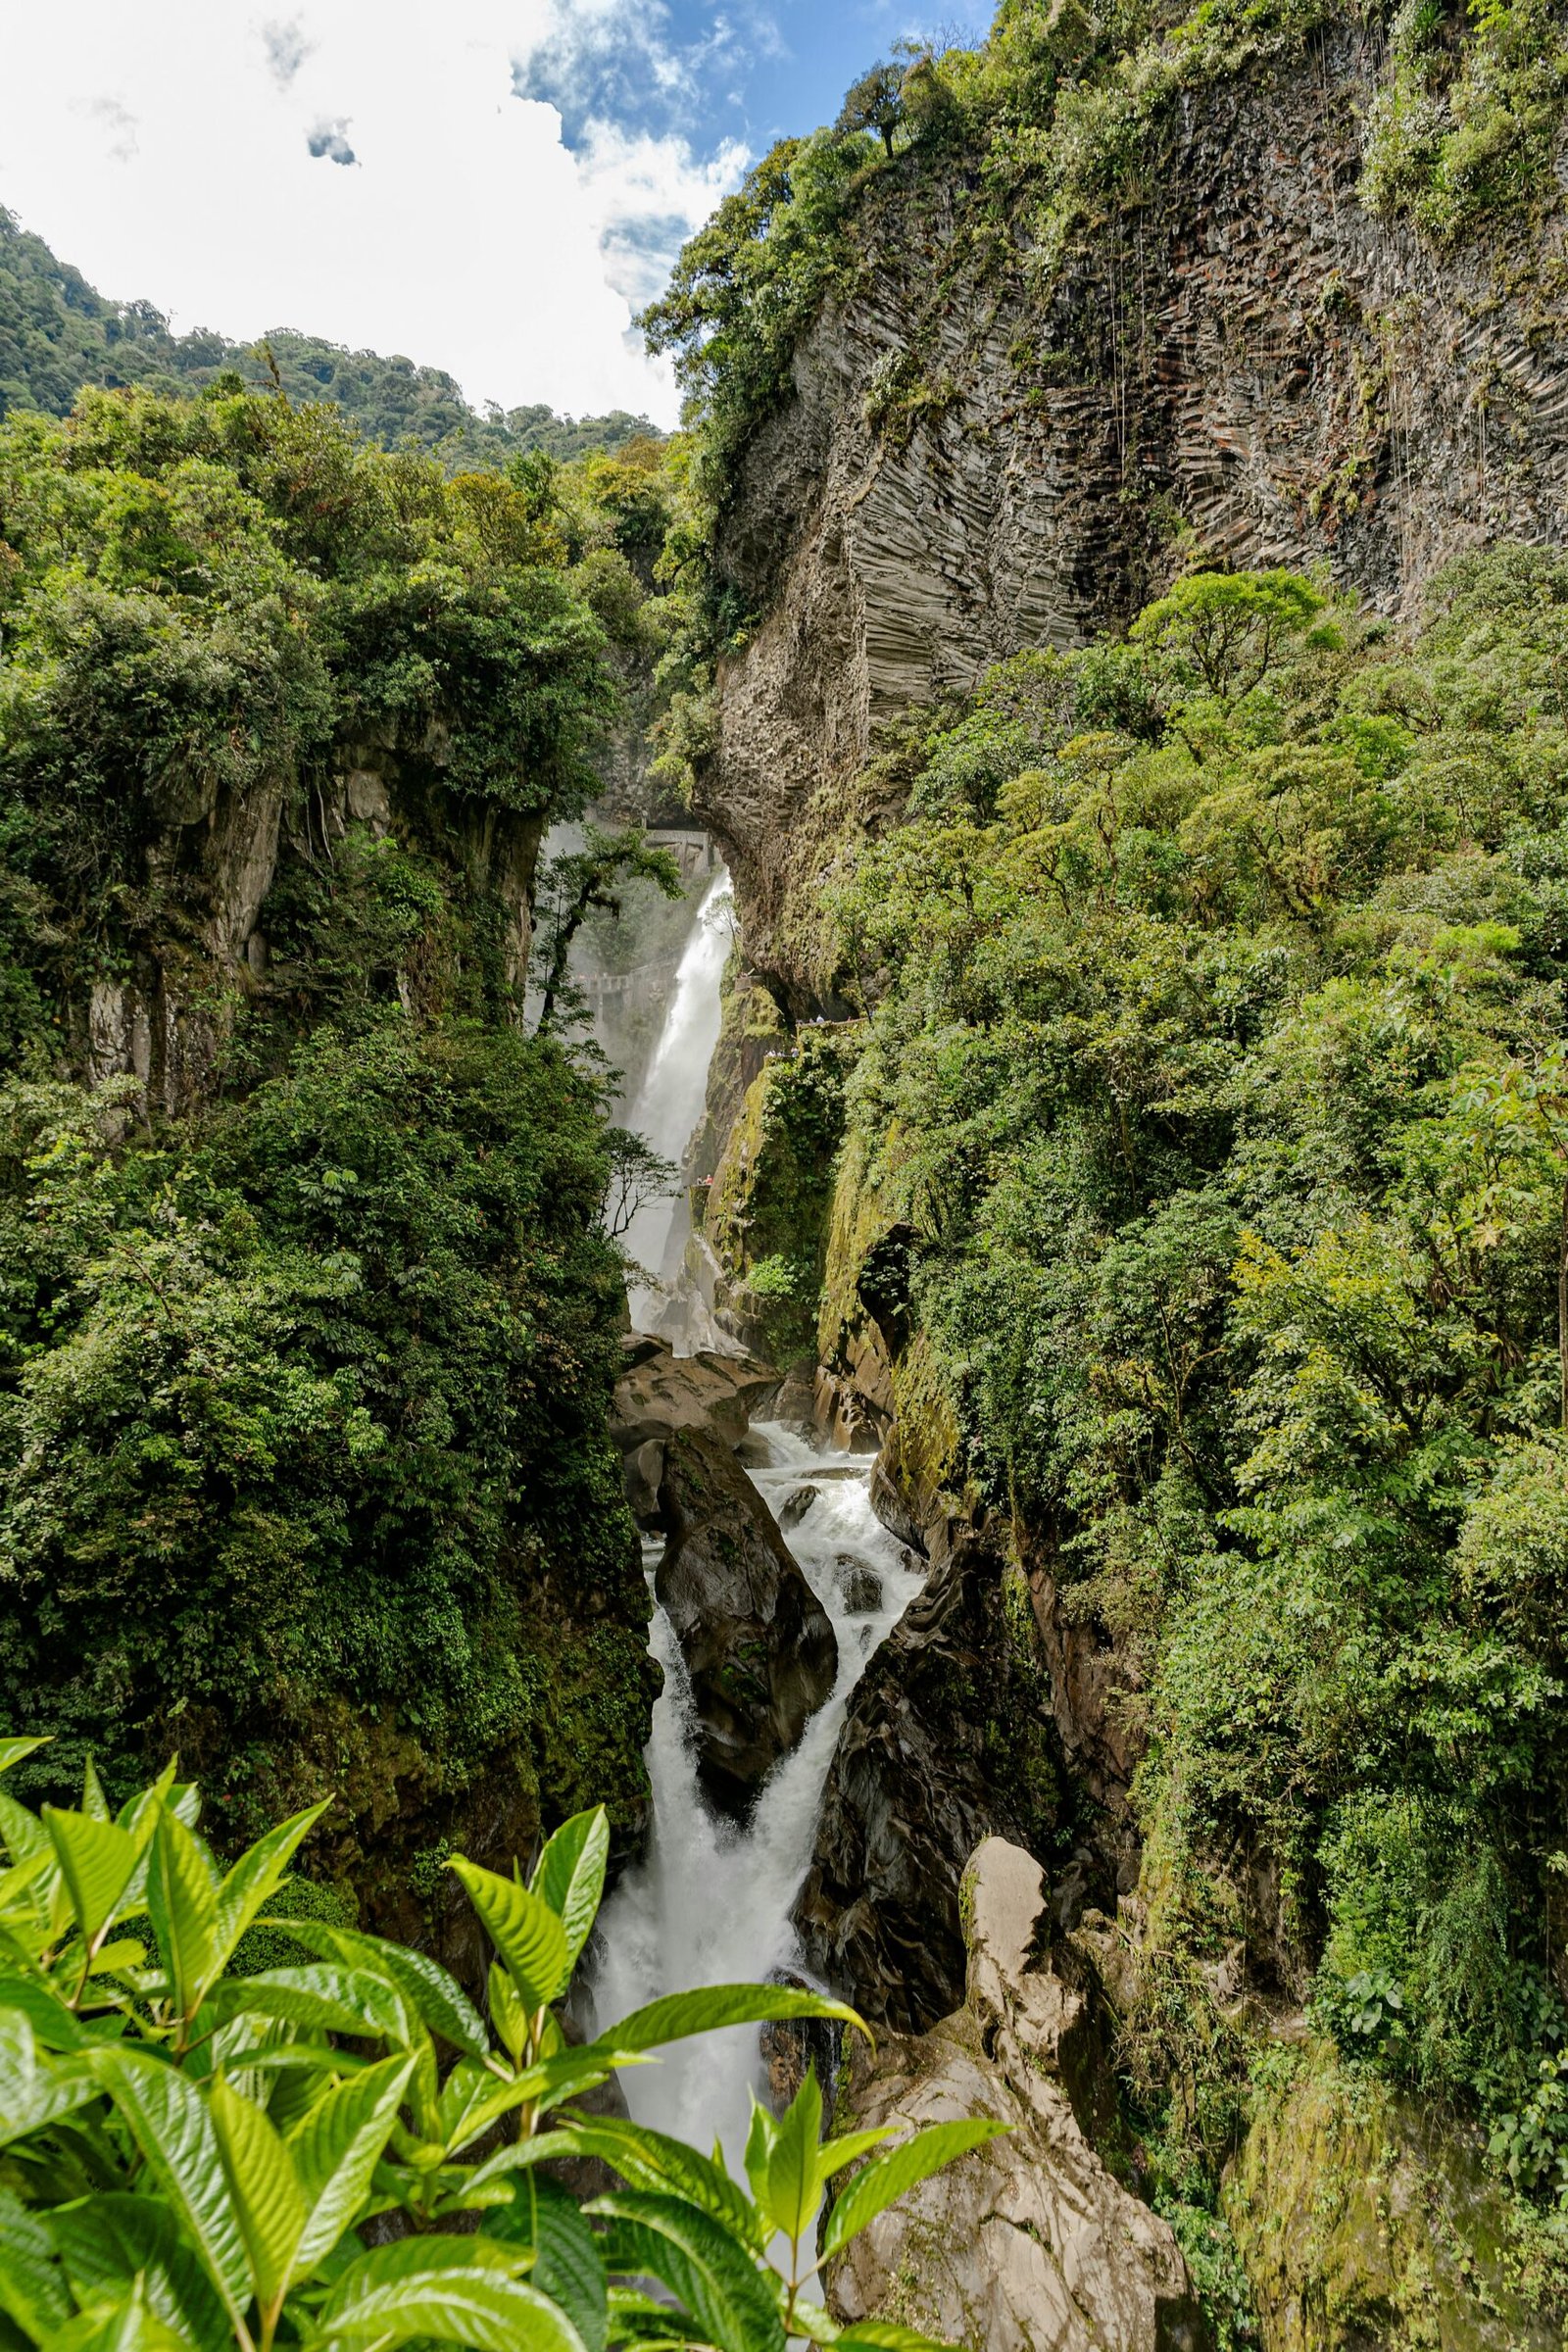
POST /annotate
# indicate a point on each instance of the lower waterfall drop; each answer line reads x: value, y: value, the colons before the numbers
x: 710, y: 1901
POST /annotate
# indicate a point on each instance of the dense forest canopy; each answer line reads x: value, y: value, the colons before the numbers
x: 58, y: 334
x: 1200, y: 1151
x: 307, y: 1318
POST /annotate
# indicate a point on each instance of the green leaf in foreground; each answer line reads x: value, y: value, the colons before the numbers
x: 713, y: 2006
x: 888, y: 2177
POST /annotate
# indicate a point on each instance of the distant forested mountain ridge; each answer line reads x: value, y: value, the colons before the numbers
x: 57, y: 333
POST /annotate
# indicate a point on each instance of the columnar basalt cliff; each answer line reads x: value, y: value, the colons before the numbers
x: 981, y: 451
x: 1098, y: 947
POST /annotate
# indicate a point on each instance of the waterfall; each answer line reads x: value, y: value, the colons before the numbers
x: 710, y: 1901
x: 669, y: 1099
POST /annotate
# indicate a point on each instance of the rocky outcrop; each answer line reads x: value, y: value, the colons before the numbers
x: 1363, y: 2219
x: 759, y: 1646
x: 1028, y: 2242
x: 1244, y: 352
x: 216, y: 856
x: 660, y: 1394
x: 948, y: 1737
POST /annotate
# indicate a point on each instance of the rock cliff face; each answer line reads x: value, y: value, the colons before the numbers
x: 1029, y: 2240
x: 211, y: 867
x: 758, y: 1644
x: 1245, y: 352
x: 948, y: 1739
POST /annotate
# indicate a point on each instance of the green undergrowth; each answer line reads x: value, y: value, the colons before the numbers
x: 1211, y: 1092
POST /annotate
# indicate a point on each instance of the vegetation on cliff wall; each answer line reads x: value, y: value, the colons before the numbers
x: 308, y: 1315
x: 1213, y: 1101
x: 1062, y: 117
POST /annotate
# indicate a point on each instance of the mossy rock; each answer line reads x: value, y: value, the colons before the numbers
x: 1364, y: 2220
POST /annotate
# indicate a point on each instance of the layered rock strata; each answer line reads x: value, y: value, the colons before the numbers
x: 1242, y: 359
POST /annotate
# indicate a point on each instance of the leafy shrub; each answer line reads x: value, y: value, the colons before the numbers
x: 342, y: 2151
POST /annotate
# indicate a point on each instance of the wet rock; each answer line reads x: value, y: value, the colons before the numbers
x: 792, y: 2046
x: 1029, y: 2241
x: 863, y: 1590
x: 797, y: 1505
x: 948, y: 1737
x: 643, y: 1473
x: 757, y: 1641
x: 661, y: 1393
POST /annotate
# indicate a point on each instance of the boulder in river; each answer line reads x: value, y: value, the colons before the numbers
x: 797, y: 1505
x: 948, y: 1736
x: 862, y: 1588
x: 661, y: 1393
x: 1029, y: 2240
x: 758, y: 1644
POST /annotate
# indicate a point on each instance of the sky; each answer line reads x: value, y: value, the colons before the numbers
x: 489, y: 186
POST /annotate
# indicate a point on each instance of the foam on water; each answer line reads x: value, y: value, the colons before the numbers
x: 710, y: 1903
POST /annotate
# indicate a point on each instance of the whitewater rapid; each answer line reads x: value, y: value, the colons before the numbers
x: 710, y: 1901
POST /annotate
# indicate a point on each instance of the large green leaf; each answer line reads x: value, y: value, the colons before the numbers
x: 568, y: 2265
x: 321, y: 1995
x: 36, y: 2089
x: 257, y: 1876
x: 335, y: 2149
x: 568, y: 2075
x: 647, y: 2159
x: 33, y: 2292
x: 708, y: 2269
x: 182, y: 1900
x: 12, y: 1752
x: 885, y: 2336
x: 849, y: 2148
x: 22, y: 1832
x: 97, y: 1861
x: 268, y: 2203
x: 794, y: 2181
x: 571, y: 1875
x: 112, y: 2237
x: 462, y: 2293
x: 714, y: 2006
x: 888, y: 2177
x: 52, y: 2022
x: 759, y: 2137
x: 525, y: 1932
x: 167, y: 2118
x: 436, y: 1999
x: 93, y: 1800
x: 125, y: 2322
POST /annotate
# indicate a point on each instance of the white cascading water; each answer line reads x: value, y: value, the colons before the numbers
x: 669, y: 1099
x: 710, y: 1903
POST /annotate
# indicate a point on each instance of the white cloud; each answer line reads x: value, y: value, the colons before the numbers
x: 184, y: 151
